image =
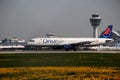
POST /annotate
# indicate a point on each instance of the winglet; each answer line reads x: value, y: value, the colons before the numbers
x: 107, y: 33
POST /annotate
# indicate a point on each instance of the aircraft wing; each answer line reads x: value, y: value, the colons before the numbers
x: 82, y: 43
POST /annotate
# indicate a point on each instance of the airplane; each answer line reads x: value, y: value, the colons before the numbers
x: 72, y: 43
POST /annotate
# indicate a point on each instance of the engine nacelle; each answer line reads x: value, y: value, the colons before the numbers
x: 67, y: 46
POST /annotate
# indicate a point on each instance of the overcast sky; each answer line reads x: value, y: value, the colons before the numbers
x: 28, y: 19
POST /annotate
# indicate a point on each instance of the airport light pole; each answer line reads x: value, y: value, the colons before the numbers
x: 95, y: 22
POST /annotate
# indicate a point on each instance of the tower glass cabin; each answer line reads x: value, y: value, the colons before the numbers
x: 95, y: 22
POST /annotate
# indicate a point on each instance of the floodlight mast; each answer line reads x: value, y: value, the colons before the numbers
x: 95, y: 22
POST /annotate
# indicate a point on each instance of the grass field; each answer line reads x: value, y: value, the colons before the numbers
x: 60, y: 59
x: 61, y: 66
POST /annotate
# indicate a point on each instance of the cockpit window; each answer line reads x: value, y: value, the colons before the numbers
x: 31, y: 41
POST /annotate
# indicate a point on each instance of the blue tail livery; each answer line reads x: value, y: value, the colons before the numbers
x: 107, y: 33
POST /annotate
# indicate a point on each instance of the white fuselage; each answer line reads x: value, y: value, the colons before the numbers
x: 64, y: 41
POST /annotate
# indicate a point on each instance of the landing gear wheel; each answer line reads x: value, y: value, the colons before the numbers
x: 67, y: 49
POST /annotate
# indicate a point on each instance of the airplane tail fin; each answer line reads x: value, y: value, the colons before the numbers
x: 107, y: 33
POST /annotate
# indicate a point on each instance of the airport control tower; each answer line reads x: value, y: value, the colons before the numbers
x: 95, y: 22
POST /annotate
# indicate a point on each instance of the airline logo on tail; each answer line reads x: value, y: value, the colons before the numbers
x: 107, y: 33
